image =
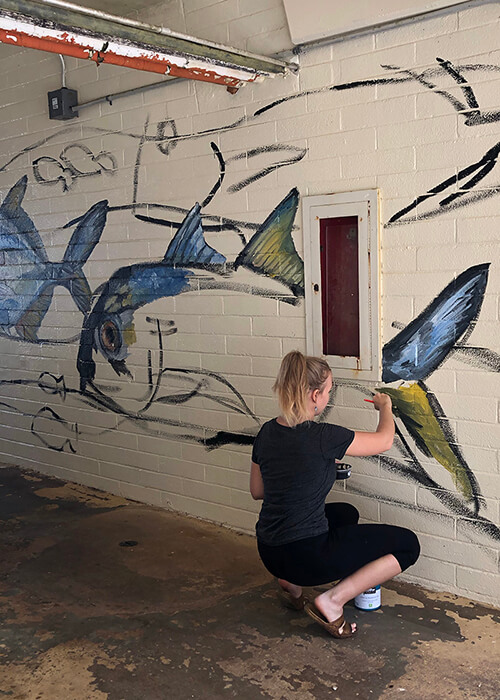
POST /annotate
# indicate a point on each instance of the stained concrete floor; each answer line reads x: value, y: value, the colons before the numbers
x: 189, y: 612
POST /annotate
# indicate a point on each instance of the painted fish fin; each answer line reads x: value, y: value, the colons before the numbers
x: 416, y: 351
x: 11, y: 208
x: 271, y: 250
x: 87, y: 234
x: 84, y: 362
x: 421, y: 414
x: 29, y: 323
x: 188, y: 247
x: 14, y: 197
x: 80, y: 291
x: 120, y: 367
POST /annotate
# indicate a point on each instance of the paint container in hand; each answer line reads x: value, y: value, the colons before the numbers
x: 343, y: 471
x: 369, y: 600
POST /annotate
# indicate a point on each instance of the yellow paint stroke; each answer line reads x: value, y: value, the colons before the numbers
x: 116, y: 301
x: 129, y: 335
x: 412, y: 405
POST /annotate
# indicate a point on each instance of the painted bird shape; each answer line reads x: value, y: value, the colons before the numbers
x: 109, y: 326
x: 28, y: 277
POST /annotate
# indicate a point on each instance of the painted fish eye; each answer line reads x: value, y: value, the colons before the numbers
x: 110, y: 336
x: 109, y: 339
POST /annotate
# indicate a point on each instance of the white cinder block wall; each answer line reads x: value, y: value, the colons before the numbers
x: 424, y: 132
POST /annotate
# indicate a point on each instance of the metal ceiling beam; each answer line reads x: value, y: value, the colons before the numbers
x: 64, y: 28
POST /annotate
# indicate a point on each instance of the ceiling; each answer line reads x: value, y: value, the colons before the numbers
x: 117, y: 7
x: 106, y: 37
x: 128, y: 8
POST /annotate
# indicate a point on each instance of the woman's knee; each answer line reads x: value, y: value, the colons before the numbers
x: 416, y: 547
x: 353, y: 514
x: 411, y: 551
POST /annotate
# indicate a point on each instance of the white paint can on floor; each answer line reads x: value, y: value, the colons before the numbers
x: 369, y: 600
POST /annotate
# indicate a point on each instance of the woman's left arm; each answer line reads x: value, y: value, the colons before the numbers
x: 256, y: 483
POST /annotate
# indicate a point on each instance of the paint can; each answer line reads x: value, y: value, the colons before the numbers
x: 343, y: 471
x: 369, y: 600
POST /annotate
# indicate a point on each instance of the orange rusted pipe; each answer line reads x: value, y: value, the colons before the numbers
x: 152, y: 65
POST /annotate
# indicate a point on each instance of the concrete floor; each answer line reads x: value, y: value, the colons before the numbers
x: 189, y: 612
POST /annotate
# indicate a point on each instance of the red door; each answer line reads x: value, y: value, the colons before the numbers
x: 339, y: 285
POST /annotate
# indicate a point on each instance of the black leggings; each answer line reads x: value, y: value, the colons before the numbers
x: 341, y: 551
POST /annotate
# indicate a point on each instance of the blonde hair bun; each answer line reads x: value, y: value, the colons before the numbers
x: 298, y: 374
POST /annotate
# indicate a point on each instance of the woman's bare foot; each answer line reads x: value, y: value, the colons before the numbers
x: 295, y: 591
x: 330, y: 609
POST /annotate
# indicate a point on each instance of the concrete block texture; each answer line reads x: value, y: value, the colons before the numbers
x: 151, y: 270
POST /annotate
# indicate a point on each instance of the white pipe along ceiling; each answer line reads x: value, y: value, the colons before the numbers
x: 68, y: 29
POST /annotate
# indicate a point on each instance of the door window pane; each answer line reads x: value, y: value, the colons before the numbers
x: 340, y: 285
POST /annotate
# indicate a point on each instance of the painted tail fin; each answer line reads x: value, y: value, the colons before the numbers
x: 188, y: 247
x: 68, y: 274
x: 29, y: 323
x: 12, y: 209
x: 271, y: 250
x: 83, y: 241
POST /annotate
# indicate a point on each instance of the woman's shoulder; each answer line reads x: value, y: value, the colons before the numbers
x: 267, y: 426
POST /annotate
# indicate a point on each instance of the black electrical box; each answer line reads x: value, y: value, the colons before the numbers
x: 61, y: 103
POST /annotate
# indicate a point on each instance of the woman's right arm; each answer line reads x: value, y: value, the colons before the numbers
x: 367, y: 444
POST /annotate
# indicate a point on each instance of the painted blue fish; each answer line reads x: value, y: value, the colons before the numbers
x: 109, y: 327
x: 27, y: 277
x: 415, y: 352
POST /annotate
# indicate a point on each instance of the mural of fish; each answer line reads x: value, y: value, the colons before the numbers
x: 415, y: 352
x: 27, y: 277
x: 109, y: 327
x: 421, y: 414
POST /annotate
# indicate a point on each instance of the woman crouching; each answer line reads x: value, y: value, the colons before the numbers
x: 302, y: 541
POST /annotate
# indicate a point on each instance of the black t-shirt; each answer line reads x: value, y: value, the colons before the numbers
x: 298, y: 471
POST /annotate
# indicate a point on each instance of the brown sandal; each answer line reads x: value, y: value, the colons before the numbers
x: 334, y: 628
x: 290, y: 602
